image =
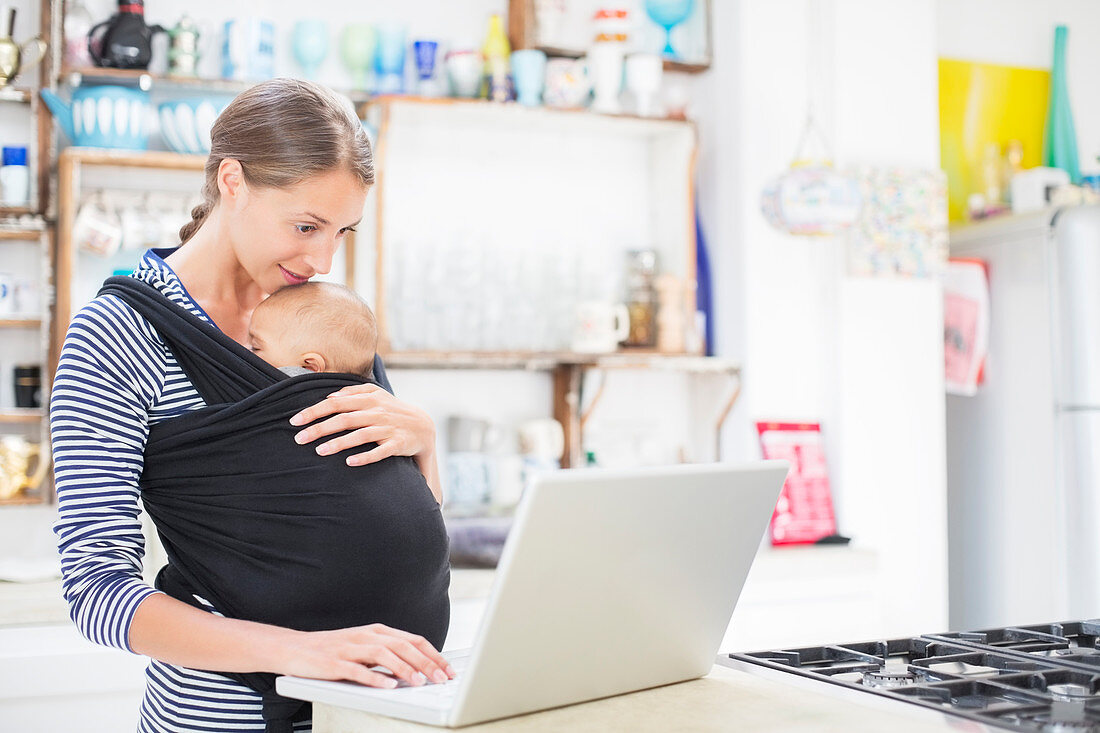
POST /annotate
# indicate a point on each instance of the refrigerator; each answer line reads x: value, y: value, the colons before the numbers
x: 1023, y: 455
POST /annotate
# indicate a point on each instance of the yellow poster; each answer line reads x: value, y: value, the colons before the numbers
x: 984, y: 103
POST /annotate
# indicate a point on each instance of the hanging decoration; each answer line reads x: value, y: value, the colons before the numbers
x: 812, y: 198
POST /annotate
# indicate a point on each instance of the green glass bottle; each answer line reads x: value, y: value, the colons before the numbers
x: 1059, y: 137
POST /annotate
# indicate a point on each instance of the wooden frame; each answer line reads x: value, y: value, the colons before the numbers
x: 523, y: 33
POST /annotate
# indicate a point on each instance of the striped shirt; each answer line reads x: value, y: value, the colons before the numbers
x: 115, y: 378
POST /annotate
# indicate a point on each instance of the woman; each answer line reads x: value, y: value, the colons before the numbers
x: 286, y: 179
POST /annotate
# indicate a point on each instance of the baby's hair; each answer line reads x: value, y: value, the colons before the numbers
x: 332, y: 319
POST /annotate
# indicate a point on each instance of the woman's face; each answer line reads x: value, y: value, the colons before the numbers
x: 285, y: 236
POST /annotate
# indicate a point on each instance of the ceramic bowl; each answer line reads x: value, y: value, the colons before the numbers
x: 185, y: 123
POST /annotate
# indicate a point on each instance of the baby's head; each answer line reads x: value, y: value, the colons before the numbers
x: 320, y: 326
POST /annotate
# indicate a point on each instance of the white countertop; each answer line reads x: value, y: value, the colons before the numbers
x: 724, y: 700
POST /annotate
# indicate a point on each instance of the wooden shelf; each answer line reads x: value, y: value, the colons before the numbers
x: 16, y: 94
x: 21, y: 415
x: 20, y: 235
x: 20, y: 322
x: 16, y: 210
x: 75, y: 77
x: 134, y: 158
x: 22, y: 500
x: 483, y: 111
x: 540, y: 361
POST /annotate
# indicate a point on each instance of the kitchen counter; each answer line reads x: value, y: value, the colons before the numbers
x: 724, y: 700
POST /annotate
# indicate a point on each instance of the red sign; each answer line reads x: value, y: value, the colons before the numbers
x: 804, y: 512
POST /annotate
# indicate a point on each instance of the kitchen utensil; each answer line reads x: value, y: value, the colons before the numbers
x: 529, y: 75
x: 567, y: 84
x: 357, y: 44
x: 16, y: 454
x: 668, y: 14
x: 28, y: 385
x: 424, y: 53
x: 605, y: 65
x: 185, y: 123
x: 389, y: 58
x: 464, y: 72
x: 103, y: 116
x: 127, y: 41
x: 183, y: 50
x: 644, y: 72
x: 599, y: 327
x: 248, y: 50
x: 7, y: 293
x: 96, y: 228
x: 310, y: 45
x: 14, y: 57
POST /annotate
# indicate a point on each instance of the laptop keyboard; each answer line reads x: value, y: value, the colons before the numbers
x: 432, y: 693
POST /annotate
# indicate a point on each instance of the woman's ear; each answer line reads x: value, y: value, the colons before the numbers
x: 314, y: 362
x: 231, y: 183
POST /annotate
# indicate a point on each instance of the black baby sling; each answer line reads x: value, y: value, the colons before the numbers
x: 265, y: 529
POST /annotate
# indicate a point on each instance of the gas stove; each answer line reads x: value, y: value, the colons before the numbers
x: 1030, y: 678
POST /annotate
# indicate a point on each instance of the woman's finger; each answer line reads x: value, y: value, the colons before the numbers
x: 340, y: 422
x: 420, y: 643
x: 340, y: 401
x: 384, y: 450
x: 354, y: 439
x: 392, y: 661
x: 357, y: 672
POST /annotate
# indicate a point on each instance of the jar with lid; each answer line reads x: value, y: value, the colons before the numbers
x: 641, y: 297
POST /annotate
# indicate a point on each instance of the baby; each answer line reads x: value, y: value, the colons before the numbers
x: 315, y: 327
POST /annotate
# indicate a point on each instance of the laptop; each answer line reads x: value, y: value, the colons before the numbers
x: 610, y: 581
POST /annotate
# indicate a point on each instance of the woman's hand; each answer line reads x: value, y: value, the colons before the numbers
x: 347, y: 654
x: 373, y: 415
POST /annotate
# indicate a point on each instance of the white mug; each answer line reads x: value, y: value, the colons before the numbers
x: 644, y: 72
x: 605, y: 66
x: 599, y: 327
x: 464, y: 69
x: 96, y: 229
x: 542, y: 438
x: 7, y: 294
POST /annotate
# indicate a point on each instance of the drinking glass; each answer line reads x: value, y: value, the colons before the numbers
x: 310, y: 45
x: 357, y: 52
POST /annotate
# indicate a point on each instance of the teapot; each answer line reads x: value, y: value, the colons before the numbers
x: 13, y: 57
x: 128, y: 41
x: 16, y: 455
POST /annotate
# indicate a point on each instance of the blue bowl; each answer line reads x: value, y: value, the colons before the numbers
x: 185, y: 123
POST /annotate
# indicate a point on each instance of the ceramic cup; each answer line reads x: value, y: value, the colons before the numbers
x: 644, y: 72
x: 599, y: 327
x: 566, y: 83
x: 7, y: 294
x: 605, y: 66
x: 529, y: 74
x: 464, y: 72
x: 97, y: 229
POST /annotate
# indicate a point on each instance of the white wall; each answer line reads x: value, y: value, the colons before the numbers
x: 1021, y: 33
x: 808, y: 334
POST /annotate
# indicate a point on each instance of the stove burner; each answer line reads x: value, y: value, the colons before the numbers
x: 1069, y: 692
x: 888, y: 679
x: 1029, y: 678
x: 1071, y: 726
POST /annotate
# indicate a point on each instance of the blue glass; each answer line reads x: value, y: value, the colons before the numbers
x: 389, y: 58
x: 424, y: 52
x: 310, y: 45
x: 529, y: 75
x: 668, y: 14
